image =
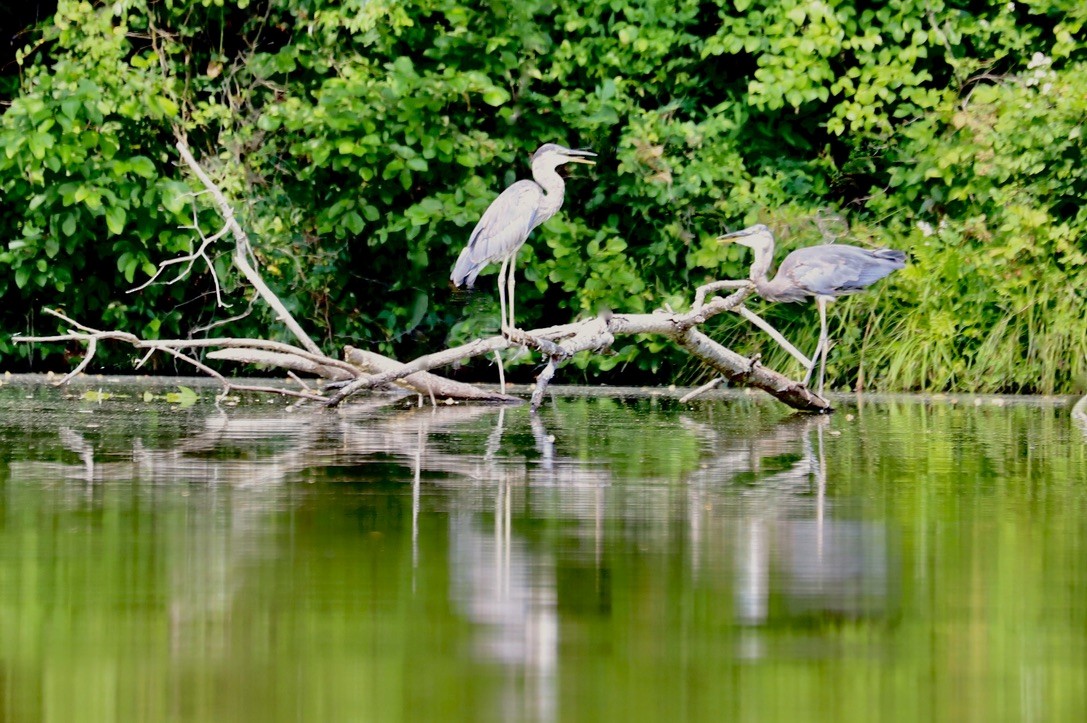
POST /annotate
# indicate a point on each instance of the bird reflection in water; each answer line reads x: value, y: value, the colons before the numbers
x: 508, y: 588
x: 795, y: 560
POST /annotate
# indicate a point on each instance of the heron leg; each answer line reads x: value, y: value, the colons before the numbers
x: 823, y: 341
x: 511, y: 279
x: 811, y: 363
x: 820, y: 347
x: 502, y: 295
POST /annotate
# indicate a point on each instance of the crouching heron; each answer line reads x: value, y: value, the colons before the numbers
x: 509, y: 220
x: 825, y: 272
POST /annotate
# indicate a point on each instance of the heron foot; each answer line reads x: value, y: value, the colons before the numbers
x: 514, y: 334
x: 754, y: 362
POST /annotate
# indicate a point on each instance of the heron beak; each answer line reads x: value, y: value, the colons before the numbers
x: 576, y: 156
x: 738, y: 234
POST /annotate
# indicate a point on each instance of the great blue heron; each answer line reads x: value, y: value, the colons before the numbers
x: 825, y: 272
x: 509, y: 220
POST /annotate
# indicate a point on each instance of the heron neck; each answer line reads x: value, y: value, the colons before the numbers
x: 553, y: 186
x: 760, y: 270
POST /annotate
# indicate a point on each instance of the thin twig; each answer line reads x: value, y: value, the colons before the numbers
x: 299, y: 381
x: 191, y: 259
x: 774, y: 334
x: 701, y: 292
x: 701, y: 390
x: 92, y: 347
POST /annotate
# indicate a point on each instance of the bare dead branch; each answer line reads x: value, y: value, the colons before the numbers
x: 92, y: 347
x: 191, y: 259
x: 422, y: 364
x: 701, y: 292
x: 423, y: 382
x: 542, y: 381
x: 775, y: 335
x: 243, y: 250
x: 172, y: 347
x: 292, y: 362
x: 740, y: 370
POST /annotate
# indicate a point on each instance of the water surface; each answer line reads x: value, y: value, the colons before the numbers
x: 611, y: 558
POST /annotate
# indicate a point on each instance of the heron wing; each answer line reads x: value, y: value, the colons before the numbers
x: 506, y: 223
x: 837, y: 269
x: 503, y: 228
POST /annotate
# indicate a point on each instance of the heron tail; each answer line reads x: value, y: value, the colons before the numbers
x: 896, y: 257
x: 466, y: 270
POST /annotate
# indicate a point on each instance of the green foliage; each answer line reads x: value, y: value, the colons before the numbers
x: 997, y: 293
x: 361, y: 141
x: 90, y: 198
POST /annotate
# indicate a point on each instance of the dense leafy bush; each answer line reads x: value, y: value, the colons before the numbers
x: 362, y: 140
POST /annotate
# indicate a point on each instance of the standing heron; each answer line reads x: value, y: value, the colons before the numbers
x: 825, y: 272
x: 509, y: 220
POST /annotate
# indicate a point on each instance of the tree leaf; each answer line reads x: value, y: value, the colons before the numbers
x: 115, y: 219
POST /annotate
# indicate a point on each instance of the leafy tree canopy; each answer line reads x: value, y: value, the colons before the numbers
x: 363, y: 139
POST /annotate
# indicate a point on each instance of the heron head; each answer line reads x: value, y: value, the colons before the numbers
x: 758, y: 238
x: 554, y: 155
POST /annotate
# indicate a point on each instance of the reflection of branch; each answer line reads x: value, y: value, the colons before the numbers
x: 1079, y: 413
x: 76, y: 443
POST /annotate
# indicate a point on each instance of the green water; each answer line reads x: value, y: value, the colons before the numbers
x: 610, y: 559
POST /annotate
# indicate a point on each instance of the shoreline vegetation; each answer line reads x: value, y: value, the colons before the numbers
x: 358, y: 148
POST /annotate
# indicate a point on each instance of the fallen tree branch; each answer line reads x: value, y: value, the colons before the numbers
x: 599, y: 333
x: 775, y: 335
x: 422, y: 364
x: 424, y: 382
x: 739, y: 369
x: 171, y: 347
x: 280, y: 360
x: 265, y: 353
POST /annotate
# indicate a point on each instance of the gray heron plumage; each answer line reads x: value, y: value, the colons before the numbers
x: 509, y: 220
x: 824, y: 272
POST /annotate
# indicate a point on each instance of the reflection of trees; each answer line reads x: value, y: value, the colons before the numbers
x: 765, y: 490
x: 755, y: 510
